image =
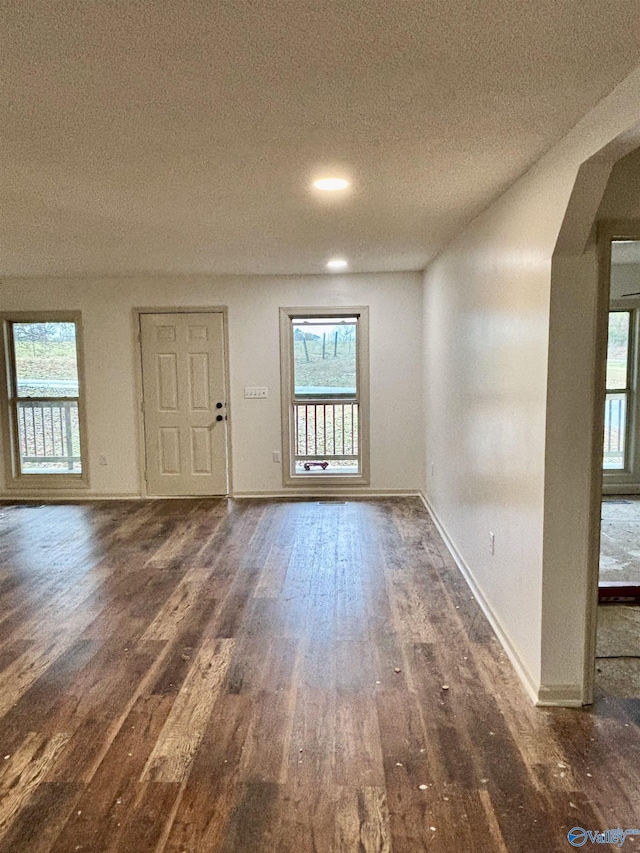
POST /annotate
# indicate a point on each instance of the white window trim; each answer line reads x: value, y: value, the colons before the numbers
x: 627, y: 474
x: 289, y: 475
x: 14, y: 478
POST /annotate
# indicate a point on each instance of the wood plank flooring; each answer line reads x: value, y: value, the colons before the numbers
x: 191, y: 676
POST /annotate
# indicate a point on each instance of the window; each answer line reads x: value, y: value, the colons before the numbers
x: 325, y: 395
x: 44, y: 408
x: 618, y: 390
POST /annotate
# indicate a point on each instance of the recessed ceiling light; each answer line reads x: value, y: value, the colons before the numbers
x: 336, y: 264
x: 331, y: 184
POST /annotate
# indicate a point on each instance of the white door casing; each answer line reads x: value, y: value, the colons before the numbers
x: 183, y: 384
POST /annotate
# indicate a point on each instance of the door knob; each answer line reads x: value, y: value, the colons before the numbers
x: 219, y: 418
x: 219, y: 405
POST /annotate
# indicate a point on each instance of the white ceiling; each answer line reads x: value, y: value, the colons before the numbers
x: 178, y: 136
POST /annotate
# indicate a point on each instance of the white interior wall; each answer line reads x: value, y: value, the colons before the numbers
x: 621, y: 199
x: 502, y: 337
x: 395, y: 302
x: 485, y: 382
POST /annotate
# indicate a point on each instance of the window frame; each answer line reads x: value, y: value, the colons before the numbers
x: 290, y: 477
x: 627, y: 479
x: 627, y: 391
x: 14, y: 477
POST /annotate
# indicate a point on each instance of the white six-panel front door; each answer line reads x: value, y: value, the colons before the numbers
x: 184, y: 403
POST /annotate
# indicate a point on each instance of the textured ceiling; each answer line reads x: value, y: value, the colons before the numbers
x: 179, y: 136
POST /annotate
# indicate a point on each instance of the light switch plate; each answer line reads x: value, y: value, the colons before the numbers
x: 256, y: 393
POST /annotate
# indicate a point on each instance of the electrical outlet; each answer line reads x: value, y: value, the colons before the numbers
x: 256, y: 393
x: 492, y: 543
x: 103, y: 459
x: 277, y: 456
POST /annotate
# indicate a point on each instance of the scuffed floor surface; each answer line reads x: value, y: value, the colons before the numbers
x: 191, y: 676
x: 618, y: 651
x: 620, y: 540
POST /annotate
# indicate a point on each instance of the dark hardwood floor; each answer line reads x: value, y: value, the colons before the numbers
x: 191, y: 676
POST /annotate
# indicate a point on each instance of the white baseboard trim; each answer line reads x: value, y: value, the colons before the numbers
x: 560, y: 695
x: 331, y: 493
x: 147, y: 497
x: 531, y: 686
x: 54, y: 497
x: 77, y: 497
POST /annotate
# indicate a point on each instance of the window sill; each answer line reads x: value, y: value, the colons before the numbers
x: 317, y: 479
x: 47, y: 482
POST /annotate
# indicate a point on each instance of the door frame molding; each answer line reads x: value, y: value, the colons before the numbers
x: 623, y: 482
x: 606, y: 231
x: 137, y: 349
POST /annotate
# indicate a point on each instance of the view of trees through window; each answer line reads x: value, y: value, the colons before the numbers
x: 324, y: 355
x: 45, y: 357
x: 618, y: 350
